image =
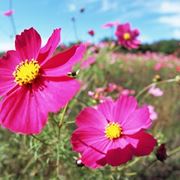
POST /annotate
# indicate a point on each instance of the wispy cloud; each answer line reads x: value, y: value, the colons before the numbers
x: 170, y: 13
x: 108, y: 5
x: 172, y: 21
x: 72, y: 7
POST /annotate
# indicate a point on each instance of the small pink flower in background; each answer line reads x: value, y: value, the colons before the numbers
x: 127, y: 92
x: 8, y: 13
x: 111, y: 24
x: 111, y: 87
x: 88, y: 62
x: 178, y: 69
x: 112, y: 133
x: 91, y: 32
x: 153, y: 90
x: 33, y: 83
x: 158, y: 66
x: 153, y: 113
x: 127, y: 37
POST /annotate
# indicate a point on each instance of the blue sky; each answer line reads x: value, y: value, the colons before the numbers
x: 156, y: 19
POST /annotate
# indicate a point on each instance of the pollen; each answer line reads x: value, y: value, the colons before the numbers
x: 26, y: 72
x: 113, y: 131
x: 126, y: 36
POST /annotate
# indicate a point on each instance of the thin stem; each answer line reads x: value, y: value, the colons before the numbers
x: 62, y: 117
x: 150, y: 85
x: 12, y: 18
x: 174, y: 151
x: 35, y: 137
x: 75, y: 30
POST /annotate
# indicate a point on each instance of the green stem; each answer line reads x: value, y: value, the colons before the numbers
x: 62, y: 117
x: 174, y: 151
x: 156, y: 83
x: 35, y: 137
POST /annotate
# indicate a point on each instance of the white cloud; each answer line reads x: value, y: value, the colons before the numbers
x: 5, y: 46
x: 169, y: 7
x: 72, y: 7
x: 176, y: 33
x: 108, y: 5
x: 173, y: 20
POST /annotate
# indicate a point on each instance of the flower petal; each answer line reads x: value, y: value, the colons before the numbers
x: 146, y: 143
x: 118, y: 156
x: 28, y: 44
x: 93, y: 138
x: 139, y: 119
x: 106, y: 108
x: 8, y: 64
x: 90, y: 117
x: 22, y: 113
x: 55, y: 93
x: 51, y: 45
x: 63, y: 62
x: 124, y: 106
x: 92, y: 158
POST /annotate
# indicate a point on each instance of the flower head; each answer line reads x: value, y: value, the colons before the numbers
x: 91, y: 32
x: 8, y: 13
x: 153, y: 90
x: 111, y: 24
x: 112, y: 133
x: 33, y: 83
x: 153, y: 113
x: 127, y: 37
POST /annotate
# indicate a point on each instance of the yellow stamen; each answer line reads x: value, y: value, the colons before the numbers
x: 126, y: 36
x: 26, y: 72
x: 113, y: 131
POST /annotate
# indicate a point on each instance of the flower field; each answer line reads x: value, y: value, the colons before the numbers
x: 91, y: 109
x: 50, y: 154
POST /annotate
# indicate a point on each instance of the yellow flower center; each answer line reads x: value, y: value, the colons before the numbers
x: 113, y: 131
x: 26, y: 72
x: 126, y: 36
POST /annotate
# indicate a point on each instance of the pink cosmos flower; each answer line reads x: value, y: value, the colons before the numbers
x: 111, y: 24
x: 86, y: 64
x: 127, y: 37
x: 91, y: 32
x: 153, y: 113
x: 33, y: 83
x: 113, y: 133
x: 8, y: 13
x: 153, y: 90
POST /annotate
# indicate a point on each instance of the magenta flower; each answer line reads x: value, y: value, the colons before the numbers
x: 111, y: 24
x: 153, y: 90
x: 91, y: 32
x: 113, y: 133
x: 33, y: 83
x: 127, y: 37
x: 8, y: 13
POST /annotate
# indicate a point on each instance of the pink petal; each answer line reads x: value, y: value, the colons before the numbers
x: 94, y: 138
x: 92, y: 158
x: 90, y: 117
x: 116, y: 157
x: 22, y: 113
x: 51, y: 45
x: 139, y: 119
x: 28, y: 44
x: 106, y: 108
x: 146, y: 143
x: 123, y: 108
x: 7, y: 66
x: 55, y: 93
x: 63, y: 62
